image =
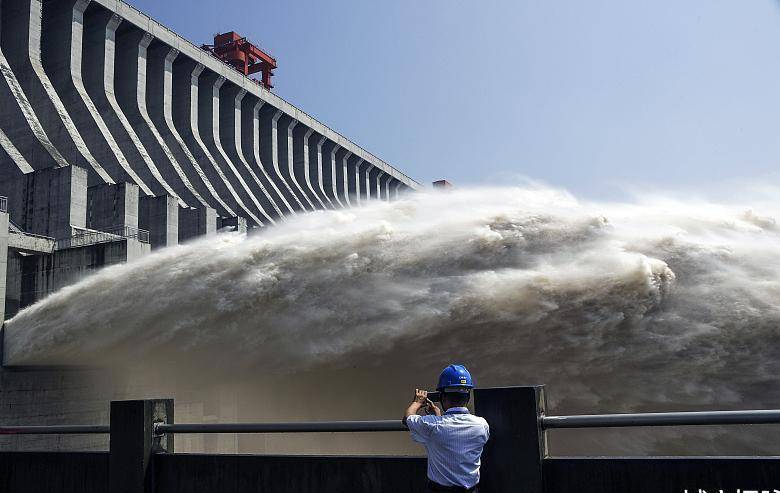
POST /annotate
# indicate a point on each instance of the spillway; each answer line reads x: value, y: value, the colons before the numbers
x: 119, y: 137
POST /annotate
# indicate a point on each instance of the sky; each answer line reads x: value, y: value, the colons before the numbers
x: 595, y: 96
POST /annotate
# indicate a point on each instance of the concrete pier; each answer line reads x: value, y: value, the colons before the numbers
x: 160, y: 216
x: 196, y: 221
x: 112, y: 206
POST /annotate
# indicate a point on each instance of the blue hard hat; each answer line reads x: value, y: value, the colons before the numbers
x: 455, y: 377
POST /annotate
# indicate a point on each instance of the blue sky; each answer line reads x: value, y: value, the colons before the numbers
x: 594, y: 96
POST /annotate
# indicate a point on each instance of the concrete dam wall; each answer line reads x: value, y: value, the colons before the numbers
x: 118, y: 137
x: 115, y: 130
x: 99, y: 85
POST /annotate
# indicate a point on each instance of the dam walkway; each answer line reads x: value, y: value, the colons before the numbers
x: 142, y: 456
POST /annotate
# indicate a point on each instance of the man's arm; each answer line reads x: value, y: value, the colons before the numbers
x: 420, y: 398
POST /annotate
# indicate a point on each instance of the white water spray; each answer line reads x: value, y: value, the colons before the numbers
x: 660, y: 305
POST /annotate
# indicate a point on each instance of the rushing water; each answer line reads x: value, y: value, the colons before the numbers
x: 656, y: 304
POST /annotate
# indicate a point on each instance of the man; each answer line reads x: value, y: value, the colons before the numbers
x: 454, y: 439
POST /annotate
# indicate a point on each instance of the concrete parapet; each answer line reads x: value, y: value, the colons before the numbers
x: 110, y: 206
x: 196, y: 221
x: 160, y: 216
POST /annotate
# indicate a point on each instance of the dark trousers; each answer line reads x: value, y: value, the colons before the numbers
x: 436, y: 487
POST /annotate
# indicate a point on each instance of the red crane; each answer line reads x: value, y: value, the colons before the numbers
x: 244, y: 56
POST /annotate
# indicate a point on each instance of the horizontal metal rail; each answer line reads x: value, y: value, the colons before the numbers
x: 761, y: 416
x: 305, y: 427
x: 752, y: 417
x: 55, y: 430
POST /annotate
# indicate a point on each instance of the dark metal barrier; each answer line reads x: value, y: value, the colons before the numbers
x: 53, y: 472
x: 200, y: 473
x: 661, y: 474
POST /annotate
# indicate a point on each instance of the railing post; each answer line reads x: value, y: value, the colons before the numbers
x: 512, y: 459
x: 133, y: 443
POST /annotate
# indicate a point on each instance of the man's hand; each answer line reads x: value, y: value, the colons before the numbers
x: 432, y: 408
x: 420, y: 400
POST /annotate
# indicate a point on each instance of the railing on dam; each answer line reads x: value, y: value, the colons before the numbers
x: 516, y: 458
x: 85, y: 237
x: 3, y: 204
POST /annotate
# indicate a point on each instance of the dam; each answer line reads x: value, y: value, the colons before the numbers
x: 120, y: 137
x: 117, y: 132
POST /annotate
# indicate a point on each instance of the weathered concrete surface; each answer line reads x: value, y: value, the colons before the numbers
x: 61, y: 48
x: 384, y: 186
x: 98, y: 53
x: 232, y: 224
x: 130, y: 90
x: 160, y: 216
x: 209, y: 86
x: 186, y: 74
x: 364, y: 168
x: 328, y: 172
x: 316, y: 144
x: 159, y: 79
x: 230, y: 130
x: 287, y: 127
x: 50, y: 202
x: 29, y: 244
x: 41, y: 275
x: 196, y: 221
x: 301, y: 155
x: 269, y: 153
x: 112, y: 206
x: 21, y: 41
x: 250, y: 149
x: 22, y: 137
x: 373, y: 183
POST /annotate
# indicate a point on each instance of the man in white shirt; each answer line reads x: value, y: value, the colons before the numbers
x: 453, y: 439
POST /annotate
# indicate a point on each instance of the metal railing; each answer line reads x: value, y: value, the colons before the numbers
x: 3, y: 204
x: 55, y: 430
x: 86, y: 237
x: 750, y: 417
x: 303, y: 427
x: 163, y: 428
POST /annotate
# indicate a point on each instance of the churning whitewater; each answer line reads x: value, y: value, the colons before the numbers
x: 656, y: 304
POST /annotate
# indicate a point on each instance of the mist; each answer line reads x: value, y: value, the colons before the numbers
x: 654, y: 304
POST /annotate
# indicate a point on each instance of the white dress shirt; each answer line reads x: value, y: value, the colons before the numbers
x: 454, y: 444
